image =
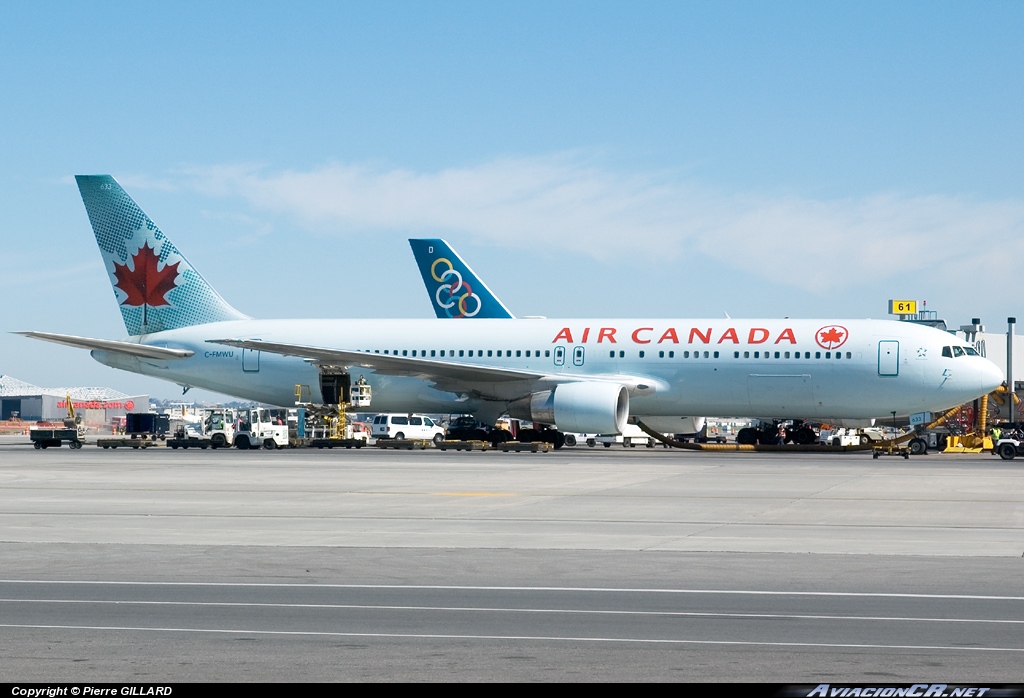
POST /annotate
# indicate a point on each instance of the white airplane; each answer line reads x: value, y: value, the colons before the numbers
x: 583, y: 375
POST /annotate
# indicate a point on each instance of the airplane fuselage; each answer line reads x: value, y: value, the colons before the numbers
x: 819, y: 369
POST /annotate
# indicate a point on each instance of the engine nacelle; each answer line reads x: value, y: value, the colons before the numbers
x: 589, y: 407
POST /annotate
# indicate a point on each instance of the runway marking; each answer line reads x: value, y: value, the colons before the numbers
x: 487, y: 609
x: 524, y: 638
x: 452, y: 587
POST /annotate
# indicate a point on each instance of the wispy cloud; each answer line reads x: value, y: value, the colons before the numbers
x: 569, y: 202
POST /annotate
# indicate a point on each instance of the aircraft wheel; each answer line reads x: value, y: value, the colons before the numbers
x: 1007, y: 451
x: 918, y: 447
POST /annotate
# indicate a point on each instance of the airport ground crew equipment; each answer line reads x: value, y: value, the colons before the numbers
x: 73, y: 430
x: 326, y: 425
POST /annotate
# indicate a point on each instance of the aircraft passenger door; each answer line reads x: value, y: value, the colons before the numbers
x: 559, y: 356
x: 888, y: 358
x: 251, y: 360
x: 577, y: 356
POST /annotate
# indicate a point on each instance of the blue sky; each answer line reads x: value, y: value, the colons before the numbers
x: 588, y: 159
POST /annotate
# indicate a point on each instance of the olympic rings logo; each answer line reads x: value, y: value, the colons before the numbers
x: 447, y: 295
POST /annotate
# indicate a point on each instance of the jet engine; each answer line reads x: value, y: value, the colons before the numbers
x: 589, y: 407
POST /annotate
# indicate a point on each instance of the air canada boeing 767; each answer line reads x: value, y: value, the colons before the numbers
x: 581, y: 375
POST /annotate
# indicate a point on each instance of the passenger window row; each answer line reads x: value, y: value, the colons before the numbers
x: 433, y: 353
x: 746, y: 354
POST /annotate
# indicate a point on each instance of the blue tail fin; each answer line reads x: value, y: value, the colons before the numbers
x: 154, y: 284
x: 454, y: 290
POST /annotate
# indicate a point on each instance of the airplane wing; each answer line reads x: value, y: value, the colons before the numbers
x: 486, y: 381
x: 130, y: 348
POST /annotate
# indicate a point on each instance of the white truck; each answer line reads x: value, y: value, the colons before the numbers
x: 261, y: 427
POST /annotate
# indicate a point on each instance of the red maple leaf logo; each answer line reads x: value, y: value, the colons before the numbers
x: 146, y: 285
x: 831, y: 337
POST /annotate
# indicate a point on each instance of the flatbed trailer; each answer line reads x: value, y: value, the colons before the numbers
x: 203, y: 442
x: 407, y: 444
x: 528, y: 446
x: 125, y: 442
x: 332, y: 443
x: 463, y: 445
x: 43, y: 437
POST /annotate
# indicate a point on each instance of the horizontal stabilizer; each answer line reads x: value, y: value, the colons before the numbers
x: 110, y: 345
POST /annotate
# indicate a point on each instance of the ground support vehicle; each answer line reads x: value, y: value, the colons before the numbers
x: 147, y: 425
x: 840, y: 436
x: 125, y: 443
x: 468, y: 429
x: 261, y: 427
x: 779, y: 433
x: 890, y: 448
x: 336, y: 443
x: 182, y: 441
x: 579, y: 439
x: 631, y: 437
x: 73, y: 430
x: 1009, y: 447
x: 464, y: 445
x: 406, y: 444
x: 530, y: 446
x: 43, y: 437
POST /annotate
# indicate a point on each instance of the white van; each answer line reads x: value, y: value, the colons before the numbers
x: 406, y: 426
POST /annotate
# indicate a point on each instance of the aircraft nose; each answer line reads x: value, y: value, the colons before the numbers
x: 990, y: 376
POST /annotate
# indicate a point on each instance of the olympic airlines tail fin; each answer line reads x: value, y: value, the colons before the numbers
x: 454, y: 290
x: 155, y: 286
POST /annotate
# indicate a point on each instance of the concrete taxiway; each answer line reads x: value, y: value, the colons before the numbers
x: 618, y: 564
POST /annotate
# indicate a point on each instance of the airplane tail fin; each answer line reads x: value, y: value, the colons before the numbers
x: 454, y: 290
x: 155, y: 286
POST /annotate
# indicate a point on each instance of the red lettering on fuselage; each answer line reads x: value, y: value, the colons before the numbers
x: 706, y: 338
x: 670, y: 334
x: 638, y: 331
x: 730, y: 334
x: 787, y: 334
x: 760, y: 339
x: 756, y: 335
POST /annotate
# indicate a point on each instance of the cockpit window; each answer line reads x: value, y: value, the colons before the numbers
x: 950, y: 352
